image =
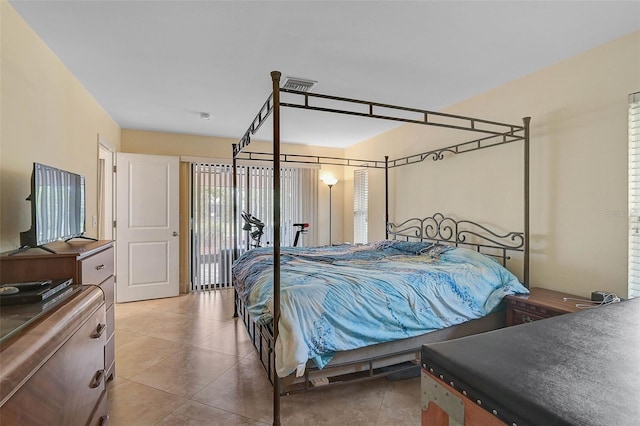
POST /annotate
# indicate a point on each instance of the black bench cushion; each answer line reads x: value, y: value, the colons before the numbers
x: 574, y: 369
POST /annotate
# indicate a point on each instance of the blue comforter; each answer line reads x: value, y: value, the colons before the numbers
x: 345, y: 297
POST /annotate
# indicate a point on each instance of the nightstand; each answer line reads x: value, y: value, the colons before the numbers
x: 541, y: 303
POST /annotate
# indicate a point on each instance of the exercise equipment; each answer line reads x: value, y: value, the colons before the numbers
x: 255, y: 226
x: 256, y: 229
x: 302, y: 229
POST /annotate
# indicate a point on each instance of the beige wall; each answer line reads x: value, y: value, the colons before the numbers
x: 578, y: 168
x: 145, y: 142
x: 46, y: 116
x: 578, y: 163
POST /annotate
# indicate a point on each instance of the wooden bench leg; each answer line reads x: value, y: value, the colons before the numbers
x: 442, y: 405
x: 434, y: 416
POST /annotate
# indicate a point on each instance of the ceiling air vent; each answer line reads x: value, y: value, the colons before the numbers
x: 299, y: 84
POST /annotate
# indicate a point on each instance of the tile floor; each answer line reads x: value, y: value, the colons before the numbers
x: 187, y: 361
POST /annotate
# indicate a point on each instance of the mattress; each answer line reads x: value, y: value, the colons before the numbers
x: 336, y: 299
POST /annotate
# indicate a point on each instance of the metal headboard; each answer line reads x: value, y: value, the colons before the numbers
x: 446, y: 230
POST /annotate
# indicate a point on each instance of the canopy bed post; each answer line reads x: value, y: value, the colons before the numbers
x: 525, y: 278
x: 275, y: 77
x: 386, y: 196
x: 234, y: 228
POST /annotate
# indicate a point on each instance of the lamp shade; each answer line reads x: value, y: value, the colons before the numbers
x: 329, y: 180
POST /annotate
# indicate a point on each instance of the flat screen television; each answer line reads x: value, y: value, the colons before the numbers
x: 57, y: 206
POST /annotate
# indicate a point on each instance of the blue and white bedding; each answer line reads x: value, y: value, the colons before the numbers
x: 345, y: 297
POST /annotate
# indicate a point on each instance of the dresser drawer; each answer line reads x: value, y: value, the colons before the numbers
x: 100, y: 416
x: 68, y: 387
x: 518, y: 316
x: 111, y: 322
x: 97, y: 268
x: 108, y: 287
x: 540, y: 303
x: 110, y: 356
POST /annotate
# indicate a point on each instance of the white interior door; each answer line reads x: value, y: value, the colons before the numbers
x: 146, y: 226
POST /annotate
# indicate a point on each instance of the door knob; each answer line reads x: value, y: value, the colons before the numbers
x: 175, y: 234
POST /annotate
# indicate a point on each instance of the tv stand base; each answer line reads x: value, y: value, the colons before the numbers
x: 84, y: 237
x: 25, y: 248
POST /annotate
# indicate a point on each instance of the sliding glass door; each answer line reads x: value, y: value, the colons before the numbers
x: 213, y: 222
x: 212, y: 225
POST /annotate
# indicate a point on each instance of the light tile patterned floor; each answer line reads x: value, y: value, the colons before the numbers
x: 187, y: 361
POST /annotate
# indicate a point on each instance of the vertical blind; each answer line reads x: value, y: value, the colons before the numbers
x: 211, y: 226
x: 213, y: 222
x: 634, y: 195
x: 360, y: 206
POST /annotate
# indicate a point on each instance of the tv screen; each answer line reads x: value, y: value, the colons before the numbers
x: 57, y: 206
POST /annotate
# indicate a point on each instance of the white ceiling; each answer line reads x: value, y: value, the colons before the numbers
x: 156, y: 65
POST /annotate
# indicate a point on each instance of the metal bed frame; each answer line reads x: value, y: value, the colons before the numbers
x: 436, y: 228
x: 446, y: 230
x: 366, y: 363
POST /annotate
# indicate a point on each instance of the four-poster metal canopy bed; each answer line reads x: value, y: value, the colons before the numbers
x: 436, y: 228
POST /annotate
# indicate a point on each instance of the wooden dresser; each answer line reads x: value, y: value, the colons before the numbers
x: 87, y: 262
x: 539, y: 304
x: 53, y: 367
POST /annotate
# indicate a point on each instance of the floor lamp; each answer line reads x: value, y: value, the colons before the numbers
x: 330, y: 181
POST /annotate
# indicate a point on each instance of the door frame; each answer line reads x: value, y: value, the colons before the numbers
x: 106, y: 190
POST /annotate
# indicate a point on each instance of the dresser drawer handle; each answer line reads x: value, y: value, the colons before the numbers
x: 99, y: 330
x: 526, y: 318
x: 100, y: 267
x: 97, y: 379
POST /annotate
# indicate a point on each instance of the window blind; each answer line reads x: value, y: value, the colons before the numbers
x: 211, y: 226
x: 360, y: 206
x: 213, y: 222
x: 298, y: 202
x: 634, y: 195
